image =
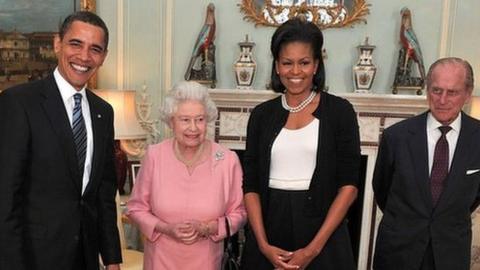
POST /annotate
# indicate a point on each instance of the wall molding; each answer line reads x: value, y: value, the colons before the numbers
x: 120, y: 48
x: 167, y: 53
x: 449, y: 15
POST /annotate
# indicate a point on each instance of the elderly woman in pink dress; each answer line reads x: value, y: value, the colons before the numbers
x: 187, y: 187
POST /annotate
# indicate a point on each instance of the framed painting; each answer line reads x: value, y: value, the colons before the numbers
x: 27, y: 29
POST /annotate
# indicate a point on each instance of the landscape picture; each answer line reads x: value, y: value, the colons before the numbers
x: 27, y: 29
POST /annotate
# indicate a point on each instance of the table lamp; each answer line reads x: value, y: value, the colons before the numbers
x: 127, y: 129
x: 475, y: 107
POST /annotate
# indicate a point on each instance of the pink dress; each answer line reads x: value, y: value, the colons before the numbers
x: 165, y: 191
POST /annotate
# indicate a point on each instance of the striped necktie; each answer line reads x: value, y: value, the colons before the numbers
x: 79, y: 132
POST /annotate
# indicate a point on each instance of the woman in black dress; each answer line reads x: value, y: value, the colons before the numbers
x: 301, y: 164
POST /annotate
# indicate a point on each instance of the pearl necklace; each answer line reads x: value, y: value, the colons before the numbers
x: 193, y: 160
x: 300, y: 106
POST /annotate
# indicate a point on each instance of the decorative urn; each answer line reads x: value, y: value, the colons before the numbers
x: 364, y: 71
x: 245, y: 66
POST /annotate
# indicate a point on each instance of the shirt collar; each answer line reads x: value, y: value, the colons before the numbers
x: 66, y: 89
x: 433, y: 123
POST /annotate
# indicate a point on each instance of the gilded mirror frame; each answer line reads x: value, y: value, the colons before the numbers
x: 88, y: 5
x: 325, y: 14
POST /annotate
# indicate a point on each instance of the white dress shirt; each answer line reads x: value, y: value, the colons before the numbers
x: 67, y: 91
x: 433, y: 134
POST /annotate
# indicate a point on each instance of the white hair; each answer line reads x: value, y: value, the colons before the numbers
x: 187, y: 91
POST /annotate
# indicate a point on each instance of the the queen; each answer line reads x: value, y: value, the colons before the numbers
x: 187, y: 187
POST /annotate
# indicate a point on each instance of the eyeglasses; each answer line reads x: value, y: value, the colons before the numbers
x: 186, y: 121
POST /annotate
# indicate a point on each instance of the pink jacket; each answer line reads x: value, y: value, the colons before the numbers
x: 165, y: 191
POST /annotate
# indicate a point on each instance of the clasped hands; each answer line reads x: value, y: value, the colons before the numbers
x: 284, y: 260
x: 187, y: 232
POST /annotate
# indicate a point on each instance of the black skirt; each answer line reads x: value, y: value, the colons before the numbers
x: 288, y: 227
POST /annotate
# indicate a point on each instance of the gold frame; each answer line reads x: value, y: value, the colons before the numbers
x: 88, y: 5
x: 357, y: 15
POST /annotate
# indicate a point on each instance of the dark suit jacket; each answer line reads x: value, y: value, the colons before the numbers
x: 402, y: 190
x: 43, y: 214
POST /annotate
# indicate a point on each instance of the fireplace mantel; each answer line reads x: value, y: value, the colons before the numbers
x: 374, y: 112
x: 370, y: 102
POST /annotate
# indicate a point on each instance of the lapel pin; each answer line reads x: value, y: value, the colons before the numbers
x: 99, y: 116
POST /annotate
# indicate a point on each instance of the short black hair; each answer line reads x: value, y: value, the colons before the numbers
x: 86, y: 17
x: 298, y: 30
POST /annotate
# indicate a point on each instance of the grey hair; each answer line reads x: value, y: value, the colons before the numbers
x: 187, y: 91
x: 453, y: 60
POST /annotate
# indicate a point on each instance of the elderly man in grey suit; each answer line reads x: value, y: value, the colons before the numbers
x: 427, y: 178
x: 57, y: 176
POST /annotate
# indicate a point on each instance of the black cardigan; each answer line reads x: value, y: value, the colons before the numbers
x: 338, y: 153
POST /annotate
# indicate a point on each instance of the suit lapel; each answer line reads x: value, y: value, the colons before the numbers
x: 419, y: 155
x: 460, y: 160
x: 57, y: 114
x: 97, y: 116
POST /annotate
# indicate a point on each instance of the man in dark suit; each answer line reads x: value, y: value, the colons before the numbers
x: 57, y: 177
x: 427, y: 177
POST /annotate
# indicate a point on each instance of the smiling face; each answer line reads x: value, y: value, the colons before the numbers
x: 189, y: 125
x: 80, y: 53
x: 296, y: 67
x: 447, y: 92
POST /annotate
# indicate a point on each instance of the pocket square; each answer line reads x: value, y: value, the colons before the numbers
x: 472, y: 171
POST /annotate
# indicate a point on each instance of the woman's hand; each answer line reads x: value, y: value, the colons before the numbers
x: 205, y: 228
x: 302, y: 257
x: 278, y: 257
x: 183, y: 232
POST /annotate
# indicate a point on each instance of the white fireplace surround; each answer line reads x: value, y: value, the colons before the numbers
x: 374, y: 112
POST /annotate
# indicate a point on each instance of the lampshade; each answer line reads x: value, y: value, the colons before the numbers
x: 126, y: 123
x: 475, y: 107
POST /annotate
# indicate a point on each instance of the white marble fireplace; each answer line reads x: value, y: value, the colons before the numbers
x: 374, y: 112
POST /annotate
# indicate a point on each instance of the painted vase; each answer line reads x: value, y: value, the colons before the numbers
x: 245, y: 67
x: 364, y: 71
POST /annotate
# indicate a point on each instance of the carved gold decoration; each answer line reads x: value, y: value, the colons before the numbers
x: 324, y: 13
x: 88, y: 5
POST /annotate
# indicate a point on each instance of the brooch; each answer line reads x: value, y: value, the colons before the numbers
x: 219, y: 155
